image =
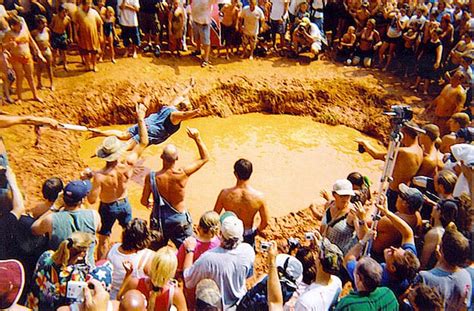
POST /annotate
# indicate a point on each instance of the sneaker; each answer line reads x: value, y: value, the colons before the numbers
x: 157, y: 51
x: 147, y: 48
x: 134, y: 55
x: 204, y: 64
x: 114, y: 61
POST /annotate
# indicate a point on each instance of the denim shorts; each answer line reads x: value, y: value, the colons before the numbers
x: 110, y: 212
x: 4, y: 187
x: 130, y: 34
x: 203, y: 32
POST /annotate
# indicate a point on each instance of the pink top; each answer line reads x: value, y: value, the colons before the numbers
x: 201, y: 247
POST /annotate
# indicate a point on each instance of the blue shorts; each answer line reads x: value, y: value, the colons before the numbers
x: 110, y: 212
x: 156, y: 127
x: 203, y: 32
x: 130, y: 34
x: 277, y: 27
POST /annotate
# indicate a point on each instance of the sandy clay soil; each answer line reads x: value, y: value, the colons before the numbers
x: 328, y: 93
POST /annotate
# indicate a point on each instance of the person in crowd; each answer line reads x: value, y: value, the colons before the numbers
x: 448, y: 276
x: 229, y: 265
x: 432, y: 158
x: 88, y: 33
x: 167, y: 186
x: 61, y: 34
x: 133, y: 300
x: 407, y: 56
x: 401, y: 263
x: 229, y: 26
x: 337, y: 225
x: 392, y: 38
x: 160, y: 124
x: 52, y: 188
x: 429, y: 61
x: 423, y: 297
x: 56, y: 269
x: 249, y: 23
x: 207, y: 238
x: 128, y: 20
x: 369, y: 295
x: 244, y: 201
x: 326, y: 286
x: 308, y: 35
x: 278, y: 18
x: 450, y: 101
x: 444, y: 182
x: 135, y: 240
x: 42, y: 37
x: 455, y: 55
x: 306, y: 256
x: 176, y: 20
x: 159, y: 287
x: 12, y: 282
x: 149, y: 25
x: 456, y: 122
x: 59, y: 225
x: 6, y: 69
x: 443, y: 213
x: 109, y: 33
x: 361, y: 187
x: 346, y: 46
x: 409, y: 203
x: 201, y: 16
x: 208, y: 296
x: 446, y: 37
x: 463, y: 154
x: 369, y: 42
x: 110, y: 184
x: 407, y: 163
x: 18, y: 41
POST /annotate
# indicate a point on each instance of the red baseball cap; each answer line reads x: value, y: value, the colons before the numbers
x: 12, y: 280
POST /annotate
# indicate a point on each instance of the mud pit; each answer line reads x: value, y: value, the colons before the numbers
x: 325, y: 92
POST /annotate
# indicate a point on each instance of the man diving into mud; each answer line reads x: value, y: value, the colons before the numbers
x: 161, y: 124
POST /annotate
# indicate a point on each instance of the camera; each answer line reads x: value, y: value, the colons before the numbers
x: 400, y: 114
x: 466, y: 133
x: 309, y: 236
x: 264, y: 246
x: 75, y: 290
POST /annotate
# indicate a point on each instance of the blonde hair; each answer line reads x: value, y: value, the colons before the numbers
x: 209, y: 223
x: 162, y: 270
x: 77, y: 241
x: 110, y: 10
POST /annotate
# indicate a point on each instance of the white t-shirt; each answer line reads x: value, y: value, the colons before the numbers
x: 201, y: 11
x: 393, y: 31
x: 278, y: 9
x: 318, y: 297
x: 252, y: 20
x: 137, y: 259
x: 127, y: 17
x: 228, y: 268
x: 293, y: 7
x: 415, y: 20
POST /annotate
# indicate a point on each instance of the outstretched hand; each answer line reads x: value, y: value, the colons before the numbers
x: 192, y: 132
x: 325, y: 195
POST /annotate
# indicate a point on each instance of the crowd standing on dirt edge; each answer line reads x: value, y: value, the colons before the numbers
x: 409, y: 248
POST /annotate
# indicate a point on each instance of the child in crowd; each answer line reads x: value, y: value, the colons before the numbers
x: 61, y: 30
x: 8, y: 75
x: 109, y: 33
x: 345, y: 47
x: 176, y: 27
x: 41, y: 35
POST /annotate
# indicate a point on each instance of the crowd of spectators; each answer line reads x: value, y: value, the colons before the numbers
x: 408, y: 249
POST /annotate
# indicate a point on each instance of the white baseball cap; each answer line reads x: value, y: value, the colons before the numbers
x: 343, y: 187
x: 464, y: 152
x: 232, y: 227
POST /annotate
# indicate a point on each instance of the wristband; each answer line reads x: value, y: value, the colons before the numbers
x: 189, y: 250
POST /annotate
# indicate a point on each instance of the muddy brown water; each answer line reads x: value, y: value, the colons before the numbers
x: 294, y: 158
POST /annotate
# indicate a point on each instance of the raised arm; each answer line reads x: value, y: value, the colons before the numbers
x: 399, y: 224
x: 177, y: 117
x: 137, y: 151
x: 203, y: 153
x: 275, y: 296
x: 219, y: 206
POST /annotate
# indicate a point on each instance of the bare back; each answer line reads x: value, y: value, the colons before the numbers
x: 431, y: 163
x: 171, y: 186
x: 114, y: 182
x: 450, y: 101
x: 407, y: 164
x: 245, y: 202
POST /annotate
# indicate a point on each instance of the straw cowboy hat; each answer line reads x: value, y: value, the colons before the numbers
x: 111, y: 149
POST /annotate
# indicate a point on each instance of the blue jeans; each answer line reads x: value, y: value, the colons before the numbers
x: 203, y: 32
x: 110, y: 212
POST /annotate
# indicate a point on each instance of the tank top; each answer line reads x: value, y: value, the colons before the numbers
x: 42, y: 37
x: 164, y: 300
x: 67, y: 222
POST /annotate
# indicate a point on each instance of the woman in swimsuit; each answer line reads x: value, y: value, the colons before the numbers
x: 18, y: 41
x: 368, y: 43
x: 176, y: 26
x: 109, y: 32
x: 42, y: 37
x: 429, y: 61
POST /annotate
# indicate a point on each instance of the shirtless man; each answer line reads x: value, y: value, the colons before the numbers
x: 432, y: 158
x: 61, y: 32
x: 244, y: 201
x: 230, y: 15
x: 110, y: 183
x: 161, y: 124
x: 169, y: 214
x: 407, y: 163
x: 449, y: 101
x: 457, y: 121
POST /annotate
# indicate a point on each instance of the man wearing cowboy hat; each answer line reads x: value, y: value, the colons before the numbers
x: 110, y: 183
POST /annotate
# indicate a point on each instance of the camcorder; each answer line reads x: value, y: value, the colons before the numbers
x: 264, y: 246
x: 426, y: 186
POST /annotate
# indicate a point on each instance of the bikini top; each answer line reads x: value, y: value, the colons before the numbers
x: 364, y: 37
x: 42, y: 36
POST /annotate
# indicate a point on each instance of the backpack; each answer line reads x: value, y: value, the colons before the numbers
x: 256, y: 298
